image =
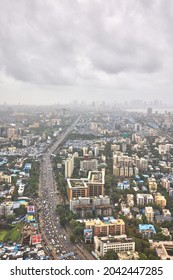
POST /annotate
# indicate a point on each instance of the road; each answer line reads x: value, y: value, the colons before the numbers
x: 55, y: 236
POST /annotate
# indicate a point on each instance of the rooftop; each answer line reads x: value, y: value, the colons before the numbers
x: 146, y: 227
x: 96, y: 177
x: 76, y: 183
x: 116, y: 239
x: 99, y: 222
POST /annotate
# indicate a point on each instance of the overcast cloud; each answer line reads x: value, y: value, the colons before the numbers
x: 57, y: 51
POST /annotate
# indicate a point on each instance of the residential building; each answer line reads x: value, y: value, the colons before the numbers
x: 165, y: 148
x: 96, y: 151
x: 165, y: 183
x: 130, y: 200
x: 21, y: 190
x: 124, y: 209
x: 171, y: 192
x: 85, y: 151
x: 152, y: 184
x: 137, y: 127
x: 143, y: 165
x: 12, y: 133
x: 166, y: 213
x: 98, y: 206
x: 5, y: 178
x: 147, y: 230
x: 160, y: 200
x: 86, y: 165
x: 149, y: 213
x: 124, y: 171
x: 107, y: 226
x: 144, y: 199
x: 125, y: 185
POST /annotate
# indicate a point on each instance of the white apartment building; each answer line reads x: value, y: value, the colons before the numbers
x: 143, y: 199
x: 21, y: 190
x: 69, y: 166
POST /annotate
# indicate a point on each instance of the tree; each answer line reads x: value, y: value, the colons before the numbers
x: 161, y: 237
x: 72, y: 238
x: 63, y: 220
x: 21, y: 210
x: 9, y: 218
x: 60, y: 210
x: 110, y: 255
x: 142, y: 256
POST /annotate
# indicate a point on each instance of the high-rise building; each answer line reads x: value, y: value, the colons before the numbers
x: 149, y: 111
x: 86, y: 165
x: 143, y: 164
x: 96, y: 151
x: 26, y: 141
x: 130, y: 200
x: 87, y: 187
x: 5, y: 178
x: 69, y: 166
x: 124, y: 147
x: 85, y: 151
x: 171, y: 192
x: 83, y: 206
x: 152, y: 184
x: 137, y: 127
x: 3, y: 131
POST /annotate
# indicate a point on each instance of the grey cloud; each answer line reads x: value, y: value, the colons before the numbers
x: 86, y: 42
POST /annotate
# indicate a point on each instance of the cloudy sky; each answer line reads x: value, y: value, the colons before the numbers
x: 56, y: 51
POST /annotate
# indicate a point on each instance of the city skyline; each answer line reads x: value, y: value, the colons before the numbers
x: 56, y: 52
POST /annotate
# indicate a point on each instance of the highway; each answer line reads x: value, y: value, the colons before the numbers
x: 53, y: 233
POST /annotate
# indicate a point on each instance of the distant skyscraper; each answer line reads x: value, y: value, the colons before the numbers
x: 149, y: 111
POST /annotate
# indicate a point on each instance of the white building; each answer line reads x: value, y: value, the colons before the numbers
x: 69, y: 166
x: 118, y: 243
x: 144, y: 199
x: 21, y: 190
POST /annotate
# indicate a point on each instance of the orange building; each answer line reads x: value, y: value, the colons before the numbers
x: 106, y: 227
x: 160, y: 200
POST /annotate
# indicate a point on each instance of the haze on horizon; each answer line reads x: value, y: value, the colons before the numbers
x: 55, y: 51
